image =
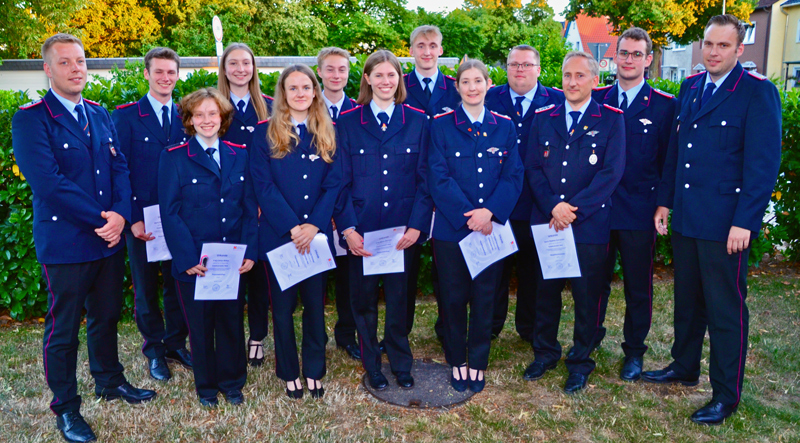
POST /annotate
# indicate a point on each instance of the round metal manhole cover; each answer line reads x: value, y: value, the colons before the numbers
x: 431, y: 387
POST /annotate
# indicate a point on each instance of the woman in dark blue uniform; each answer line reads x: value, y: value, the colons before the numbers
x: 384, y: 145
x: 238, y: 80
x: 297, y: 184
x: 475, y: 178
x: 206, y: 196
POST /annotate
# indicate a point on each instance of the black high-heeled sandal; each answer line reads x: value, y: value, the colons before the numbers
x: 460, y: 384
x: 315, y: 392
x: 297, y: 393
x: 476, y: 385
x: 255, y: 361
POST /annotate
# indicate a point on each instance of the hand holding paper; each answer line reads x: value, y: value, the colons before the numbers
x: 481, y: 251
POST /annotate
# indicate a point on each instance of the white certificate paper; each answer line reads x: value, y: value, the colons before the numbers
x: 386, y: 259
x: 157, y: 249
x: 291, y: 267
x: 480, y: 251
x: 221, y: 282
x: 557, y: 253
x: 340, y: 251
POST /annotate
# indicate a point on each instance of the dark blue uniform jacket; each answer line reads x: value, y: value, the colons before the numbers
x: 444, y: 96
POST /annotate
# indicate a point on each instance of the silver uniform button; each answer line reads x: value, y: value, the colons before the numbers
x: 101, y: 192
x: 223, y: 220
x: 110, y: 139
x: 146, y: 139
x: 241, y: 178
x: 565, y: 163
x: 689, y: 145
x: 603, y: 205
x: 686, y: 186
x: 645, y: 131
x: 563, y: 180
x: 458, y: 154
x: 194, y: 180
x: 66, y: 145
x: 385, y: 204
x: 520, y: 125
x: 566, y: 147
x: 499, y: 154
x: 98, y: 172
x: 548, y: 143
x: 724, y: 123
x: 480, y: 185
x: 562, y: 196
x: 385, y: 188
x: 242, y: 128
x: 518, y: 141
x: 653, y: 188
x: 385, y: 156
x: 687, y: 165
x: 55, y: 218
x: 361, y: 151
x: 408, y: 150
x: 695, y: 125
x: 223, y: 238
x: 134, y: 198
x: 594, y: 145
x: 385, y: 172
x: 305, y: 216
x: 738, y: 190
x: 480, y: 200
x: 222, y: 200
x: 305, y: 176
x: 480, y: 154
x: 302, y: 156
x: 480, y: 170
x: 305, y: 197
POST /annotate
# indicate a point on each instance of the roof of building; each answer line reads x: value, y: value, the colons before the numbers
x: 596, y: 30
x: 766, y: 3
x: 791, y: 3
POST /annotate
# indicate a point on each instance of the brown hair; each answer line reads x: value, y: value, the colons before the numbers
x: 472, y: 63
x: 637, y: 34
x: 193, y: 100
x: 526, y: 48
x: 162, y: 53
x: 329, y: 51
x: 728, y: 20
x: 59, y: 38
x: 281, y: 131
x: 376, y: 58
x: 255, y: 89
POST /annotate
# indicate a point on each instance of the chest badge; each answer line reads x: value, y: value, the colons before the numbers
x: 383, y: 127
x: 493, y: 150
x: 593, y: 158
x: 592, y: 133
x: 547, y: 153
x: 645, y: 121
x: 113, y: 151
x: 313, y: 157
x: 251, y: 129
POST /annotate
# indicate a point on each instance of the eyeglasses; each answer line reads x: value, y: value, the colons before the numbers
x: 523, y: 66
x: 623, y: 55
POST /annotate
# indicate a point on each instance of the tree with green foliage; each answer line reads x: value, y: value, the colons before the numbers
x: 115, y: 28
x: 362, y: 26
x: 25, y: 24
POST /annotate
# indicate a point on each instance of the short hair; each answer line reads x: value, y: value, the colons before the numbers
x: 376, y: 58
x: 526, y: 48
x: 331, y: 51
x: 162, y: 53
x: 728, y: 20
x: 190, y: 102
x: 594, y: 67
x: 59, y: 38
x: 637, y: 34
x: 472, y: 63
x: 427, y: 31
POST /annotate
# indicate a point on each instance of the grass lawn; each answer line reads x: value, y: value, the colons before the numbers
x: 510, y: 409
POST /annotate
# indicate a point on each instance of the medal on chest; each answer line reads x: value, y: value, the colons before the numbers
x: 593, y: 158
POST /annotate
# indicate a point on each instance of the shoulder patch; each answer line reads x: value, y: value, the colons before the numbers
x: 695, y: 75
x: 443, y: 114
x: 662, y: 93
x: 233, y: 144
x: 500, y: 115
x: 450, y: 77
x: 416, y: 109
x: 182, y: 145
x: 617, y: 110
x: 756, y: 75
x: 31, y: 104
x: 89, y: 101
x: 263, y: 121
x: 603, y: 88
x: 545, y: 108
x: 349, y: 110
x: 123, y: 106
x: 267, y: 97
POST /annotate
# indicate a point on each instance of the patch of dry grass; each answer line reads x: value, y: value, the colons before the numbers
x: 510, y: 409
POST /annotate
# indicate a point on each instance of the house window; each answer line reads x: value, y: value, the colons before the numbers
x: 677, y: 47
x: 798, y: 31
x: 750, y: 34
x: 796, y: 77
x: 681, y: 74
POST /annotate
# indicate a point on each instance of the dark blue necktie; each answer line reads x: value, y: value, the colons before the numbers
x: 427, y: 87
x: 576, y: 115
x: 518, y: 104
x: 210, y: 152
x: 334, y: 113
x: 707, y: 94
x: 477, y: 125
x: 241, y: 106
x: 384, y: 119
x: 303, y: 131
x: 165, y: 120
x: 624, y: 104
x: 82, y: 121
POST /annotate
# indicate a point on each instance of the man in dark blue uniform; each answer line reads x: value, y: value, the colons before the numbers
x: 519, y: 99
x: 333, y: 67
x: 574, y: 161
x: 144, y: 129
x: 648, y: 121
x: 719, y: 173
x: 66, y: 147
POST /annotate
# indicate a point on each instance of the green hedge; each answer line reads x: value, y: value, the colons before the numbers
x: 23, y: 291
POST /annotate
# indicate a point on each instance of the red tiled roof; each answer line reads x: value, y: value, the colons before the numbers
x: 596, y: 30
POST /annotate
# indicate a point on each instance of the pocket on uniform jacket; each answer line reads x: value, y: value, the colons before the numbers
x: 459, y: 162
x: 365, y: 161
x: 200, y: 192
x: 728, y: 129
x: 71, y: 154
x: 592, y: 153
x: 409, y: 153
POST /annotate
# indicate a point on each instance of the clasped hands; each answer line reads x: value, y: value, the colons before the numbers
x: 480, y: 220
x: 355, y: 242
x: 563, y: 216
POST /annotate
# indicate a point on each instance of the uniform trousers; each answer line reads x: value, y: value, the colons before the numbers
x: 527, y: 261
x: 413, y: 277
x: 216, y: 333
x: 710, y: 292
x: 158, y: 339
x: 587, y: 296
x: 257, y: 303
x: 344, y: 332
x: 468, y: 336
x: 364, y: 302
x: 312, y: 293
x: 97, y: 286
x: 636, y: 250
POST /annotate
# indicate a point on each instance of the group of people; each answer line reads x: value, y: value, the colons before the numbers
x: 231, y: 165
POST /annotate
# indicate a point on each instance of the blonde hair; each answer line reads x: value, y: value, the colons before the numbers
x: 254, y: 88
x: 594, y: 67
x: 59, y: 38
x: 427, y: 31
x: 330, y: 51
x: 281, y: 133
x: 190, y: 102
x: 376, y: 58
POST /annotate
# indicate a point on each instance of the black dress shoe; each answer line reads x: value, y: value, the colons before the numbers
x: 259, y: 349
x: 713, y: 413
x: 404, y: 379
x: 575, y: 382
x: 297, y: 393
x: 159, y: 369
x: 536, y: 370
x: 667, y: 375
x: 234, y: 397
x: 181, y: 356
x: 210, y: 402
x: 352, y: 350
x: 382, y: 346
x: 631, y: 369
x: 377, y: 380
x: 126, y: 392
x: 316, y: 392
x: 74, y: 428
x: 476, y: 385
x: 458, y: 385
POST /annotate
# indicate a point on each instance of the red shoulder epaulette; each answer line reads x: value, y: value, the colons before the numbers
x: 233, y: 144
x: 349, y: 110
x: 30, y: 105
x: 267, y: 97
x: 355, y: 103
x: 663, y: 94
x: 123, y: 106
x: 500, y: 115
x: 443, y: 114
x: 544, y: 108
x: 416, y: 109
x: 89, y: 101
x: 695, y: 75
x: 558, y: 89
x: 757, y: 76
x: 603, y: 88
x: 617, y: 110
x: 182, y: 145
x: 263, y: 121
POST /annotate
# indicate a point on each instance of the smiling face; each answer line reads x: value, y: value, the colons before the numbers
x: 334, y: 71
x: 162, y: 76
x: 299, y: 92
x: 472, y: 86
x: 578, y: 80
x: 65, y: 65
x: 522, y: 79
x: 383, y: 80
x: 426, y: 52
x: 629, y: 68
x: 721, y: 50
x: 206, y: 119
x: 239, y: 68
